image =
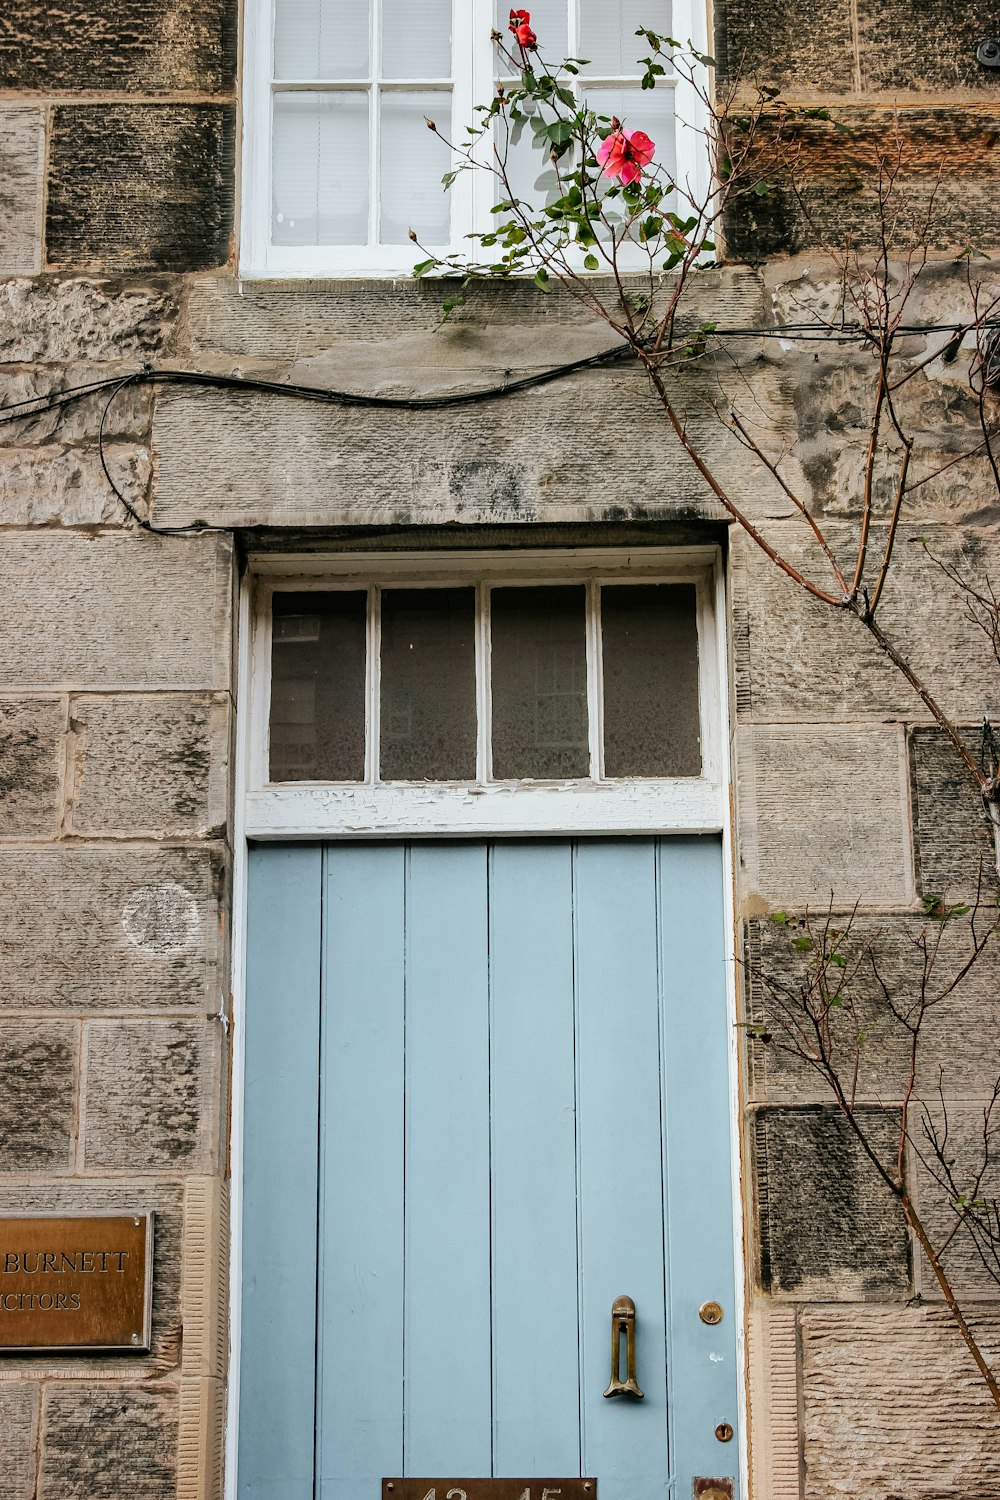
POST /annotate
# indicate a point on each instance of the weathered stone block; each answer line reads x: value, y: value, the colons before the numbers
x: 37, y: 1095
x: 30, y: 761
x: 931, y: 46
x: 149, y: 764
x: 22, y: 152
x: 71, y: 320
x: 101, y: 1444
x: 141, y: 187
x: 766, y: 41
x: 100, y: 929
x: 135, y: 45
x: 894, y: 1406
x: 828, y: 1228
x: 886, y: 959
x: 119, y: 610
x: 953, y: 836
x: 809, y: 660
x: 823, y: 817
x: 67, y: 486
x: 19, y: 1425
x: 964, y: 1141
x: 151, y: 1099
x: 67, y: 1197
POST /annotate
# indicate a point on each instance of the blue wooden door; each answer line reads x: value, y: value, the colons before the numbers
x: 486, y: 1094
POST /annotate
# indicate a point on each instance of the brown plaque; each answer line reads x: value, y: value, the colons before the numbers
x: 489, y: 1489
x: 76, y: 1283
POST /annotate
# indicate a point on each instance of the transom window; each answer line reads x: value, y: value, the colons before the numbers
x: 339, y: 164
x: 439, y: 684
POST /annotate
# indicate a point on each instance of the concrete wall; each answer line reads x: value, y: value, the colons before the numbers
x: 117, y: 129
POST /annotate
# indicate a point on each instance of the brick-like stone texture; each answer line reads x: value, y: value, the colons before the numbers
x: 151, y: 1095
x: 146, y: 764
x: 109, y: 929
x: 37, y: 1095
x: 927, y: 46
x: 890, y: 958
x: 766, y: 41
x: 807, y: 660
x: 141, y: 46
x: 116, y: 610
x: 18, y: 1423
x: 894, y: 1408
x: 954, y: 844
x: 141, y: 187
x: 75, y: 1196
x: 822, y: 815
x: 57, y: 321
x: 968, y: 1139
x: 22, y: 150
x: 828, y: 1227
x: 30, y: 756
x: 102, y: 1444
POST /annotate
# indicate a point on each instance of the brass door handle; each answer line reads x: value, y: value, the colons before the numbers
x: 623, y: 1322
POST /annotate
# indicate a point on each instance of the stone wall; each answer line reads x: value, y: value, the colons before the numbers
x: 117, y: 184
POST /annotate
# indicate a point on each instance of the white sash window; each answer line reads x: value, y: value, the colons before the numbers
x: 339, y: 165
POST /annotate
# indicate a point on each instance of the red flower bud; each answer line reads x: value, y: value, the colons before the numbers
x: 520, y: 25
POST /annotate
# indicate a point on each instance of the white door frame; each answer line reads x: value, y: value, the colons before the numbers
x: 310, y: 811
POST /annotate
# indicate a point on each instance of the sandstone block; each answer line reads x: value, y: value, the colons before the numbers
x: 68, y: 487
x: 151, y: 1099
x: 954, y: 844
x: 933, y: 48
x: 22, y: 151
x: 969, y: 1140
x: 141, y: 187
x: 828, y: 1227
x: 808, y: 660
x: 116, y: 610
x: 101, y: 1444
x: 99, y: 929
x: 74, y: 319
x: 30, y: 765
x: 892, y: 958
x: 133, y: 45
x: 19, y: 1424
x: 68, y: 1197
x: 155, y: 765
x: 37, y: 1095
x: 895, y: 1407
x: 764, y: 40
x: 822, y: 816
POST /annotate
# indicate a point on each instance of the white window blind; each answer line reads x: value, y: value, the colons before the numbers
x: 339, y: 164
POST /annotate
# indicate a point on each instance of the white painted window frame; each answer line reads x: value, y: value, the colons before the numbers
x: 472, y: 83
x: 482, y: 806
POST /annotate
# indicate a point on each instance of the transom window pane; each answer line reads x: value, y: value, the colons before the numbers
x: 650, y: 643
x: 317, y: 727
x: 428, y: 685
x: 539, y: 682
x: 608, y: 33
x: 416, y: 39
x: 316, y: 39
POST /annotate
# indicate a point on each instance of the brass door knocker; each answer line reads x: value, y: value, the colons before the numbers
x: 623, y: 1322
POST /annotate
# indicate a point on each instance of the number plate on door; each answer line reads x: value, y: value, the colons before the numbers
x: 489, y: 1489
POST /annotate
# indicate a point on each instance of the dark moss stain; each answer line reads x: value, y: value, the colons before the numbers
x: 825, y: 1217
x: 36, y: 1098
x: 484, y: 484
x: 189, y: 757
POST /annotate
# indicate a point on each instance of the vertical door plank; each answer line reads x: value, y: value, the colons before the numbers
x: 621, y: 1214
x: 360, y: 1317
x: 536, y: 1376
x: 447, y: 1423
x: 280, y: 1173
x: 704, y: 1391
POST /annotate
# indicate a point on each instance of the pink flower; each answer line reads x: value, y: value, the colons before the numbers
x: 624, y: 153
x: 520, y: 25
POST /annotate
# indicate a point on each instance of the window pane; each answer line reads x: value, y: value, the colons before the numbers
x: 531, y: 176
x: 608, y: 33
x: 651, y: 110
x: 416, y: 39
x: 320, y: 193
x: 548, y: 22
x: 414, y: 160
x: 428, y: 695
x: 317, y: 727
x: 650, y: 636
x: 539, y: 682
x: 316, y: 39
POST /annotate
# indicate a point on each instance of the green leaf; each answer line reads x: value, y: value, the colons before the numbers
x: 591, y: 263
x: 542, y: 279
x: 839, y: 960
x: 422, y: 267
x: 803, y: 944
x: 560, y: 132
x: 779, y: 917
x: 761, y: 189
